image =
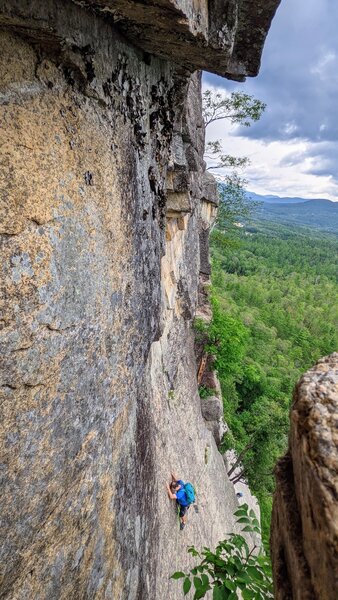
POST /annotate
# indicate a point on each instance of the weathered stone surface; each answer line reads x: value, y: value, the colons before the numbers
x: 225, y: 37
x: 209, y: 192
x: 203, y: 310
x: 178, y: 203
x: 98, y: 290
x: 218, y: 428
x: 212, y: 408
x: 305, y: 513
x: 209, y: 203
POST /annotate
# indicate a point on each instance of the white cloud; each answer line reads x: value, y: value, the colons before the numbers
x: 284, y: 168
x: 290, y: 129
x: 324, y: 65
x: 299, y: 84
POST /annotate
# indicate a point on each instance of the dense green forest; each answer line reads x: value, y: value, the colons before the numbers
x: 275, y: 312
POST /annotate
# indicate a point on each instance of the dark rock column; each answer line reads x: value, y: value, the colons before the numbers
x: 304, y: 532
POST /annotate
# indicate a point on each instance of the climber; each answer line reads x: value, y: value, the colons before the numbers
x: 184, y: 495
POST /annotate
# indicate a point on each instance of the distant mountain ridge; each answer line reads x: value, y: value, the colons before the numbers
x: 317, y: 214
x: 271, y: 199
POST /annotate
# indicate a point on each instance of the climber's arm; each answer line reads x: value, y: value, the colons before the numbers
x: 170, y: 494
x: 174, y: 477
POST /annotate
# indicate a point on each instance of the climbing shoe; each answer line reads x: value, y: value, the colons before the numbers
x: 182, y: 525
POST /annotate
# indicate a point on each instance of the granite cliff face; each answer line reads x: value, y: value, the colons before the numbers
x: 304, y: 539
x: 103, y: 204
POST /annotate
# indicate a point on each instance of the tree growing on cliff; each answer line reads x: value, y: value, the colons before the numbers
x: 239, y: 109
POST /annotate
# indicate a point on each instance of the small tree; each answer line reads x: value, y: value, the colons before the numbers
x: 233, y: 568
x: 240, y: 109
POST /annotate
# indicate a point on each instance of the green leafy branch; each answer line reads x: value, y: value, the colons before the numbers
x: 233, y: 568
x: 238, y: 107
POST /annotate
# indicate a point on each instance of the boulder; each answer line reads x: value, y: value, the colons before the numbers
x: 212, y: 408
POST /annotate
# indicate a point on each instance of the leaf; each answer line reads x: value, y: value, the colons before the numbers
x: 220, y: 563
x: 248, y: 528
x: 229, y: 568
x: 205, y: 580
x: 199, y: 593
x: 246, y: 548
x: 240, y: 512
x: 197, y: 582
x: 230, y: 585
x: 248, y: 594
x: 243, y: 577
x: 192, y: 550
x: 238, y: 562
x: 244, y: 520
x: 255, y: 573
x: 219, y: 593
x: 177, y: 575
x: 186, y: 585
x: 239, y: 539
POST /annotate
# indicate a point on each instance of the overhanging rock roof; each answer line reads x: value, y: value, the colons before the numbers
x: 225, y: 37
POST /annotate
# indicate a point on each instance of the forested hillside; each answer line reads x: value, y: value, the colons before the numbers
x: 275, y: 302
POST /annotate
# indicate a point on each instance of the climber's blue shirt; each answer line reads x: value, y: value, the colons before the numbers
x: 180, y: 495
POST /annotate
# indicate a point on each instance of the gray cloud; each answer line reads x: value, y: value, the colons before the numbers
x: 298, y: 81
x: 318, y: 159
x: 298, y: 78
x: 292, y: 159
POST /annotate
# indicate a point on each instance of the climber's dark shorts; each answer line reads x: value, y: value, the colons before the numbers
x: 183, y: 509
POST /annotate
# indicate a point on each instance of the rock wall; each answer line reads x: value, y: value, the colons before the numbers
x: 101, y: 189
x: 304, y: 538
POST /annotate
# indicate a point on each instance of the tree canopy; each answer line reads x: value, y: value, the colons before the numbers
x: 275, y: 313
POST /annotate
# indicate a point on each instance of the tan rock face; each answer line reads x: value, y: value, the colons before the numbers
x: 305, y: 514
x: 101, y: 181
x: 82, y: 237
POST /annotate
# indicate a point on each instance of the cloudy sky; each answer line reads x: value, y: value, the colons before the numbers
x: 294, y: 147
